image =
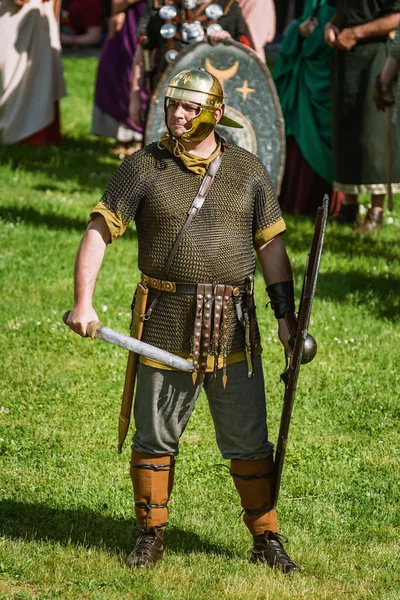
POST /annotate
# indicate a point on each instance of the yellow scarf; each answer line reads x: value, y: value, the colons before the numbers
x: 193, y: 163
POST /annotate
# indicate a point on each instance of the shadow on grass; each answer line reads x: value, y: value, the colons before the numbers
x: 53, y: 221
x: 83, y: 527
x: 83, y: 160
x: 373, y: 290
x: 34, y: 217
x: 341, y: 240
x: 378, y: 294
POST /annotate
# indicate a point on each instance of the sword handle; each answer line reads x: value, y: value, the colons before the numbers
x: 91, y: 329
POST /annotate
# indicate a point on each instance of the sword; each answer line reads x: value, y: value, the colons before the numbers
x: 302, y: 338
x: 96, y: 329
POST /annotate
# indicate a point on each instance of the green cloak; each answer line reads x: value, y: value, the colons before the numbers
x: 302, y: 76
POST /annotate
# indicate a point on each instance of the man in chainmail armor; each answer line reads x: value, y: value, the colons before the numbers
x: 200, y: 304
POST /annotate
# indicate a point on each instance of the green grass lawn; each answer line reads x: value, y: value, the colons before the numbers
x: 66, y: 506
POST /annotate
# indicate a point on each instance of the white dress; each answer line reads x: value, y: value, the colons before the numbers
x: 31, y: 77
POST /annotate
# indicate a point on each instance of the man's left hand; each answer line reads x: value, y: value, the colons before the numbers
x: 346, y: 39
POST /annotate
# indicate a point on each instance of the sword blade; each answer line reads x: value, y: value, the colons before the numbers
x: 125, y: 341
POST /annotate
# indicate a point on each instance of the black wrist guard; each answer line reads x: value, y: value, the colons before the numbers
x: 281, y: 296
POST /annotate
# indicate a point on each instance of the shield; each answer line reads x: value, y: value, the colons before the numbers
x: 250, y: 98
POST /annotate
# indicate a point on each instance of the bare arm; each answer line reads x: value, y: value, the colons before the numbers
x: 91, y: 38
x: 87, y: 266
x: 135, y: 103
x: 57, y: 8
x: 330, y: 33
x: 274, y: 261
x: 120, y: 5
x: 115, y: 24
x: 275, y: 267
x: 378, y: 27
x: 349, y: 36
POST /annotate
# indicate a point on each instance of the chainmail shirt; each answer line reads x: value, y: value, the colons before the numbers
x: 153, y: 188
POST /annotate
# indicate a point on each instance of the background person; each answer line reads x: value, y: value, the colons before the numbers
x: 114, y: 79
x: 31, y: 76
x: 302, y: 76
x: 358, y: 33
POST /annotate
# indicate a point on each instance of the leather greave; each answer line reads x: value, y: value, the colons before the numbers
x: 152, y: 479
x: 253, y: 480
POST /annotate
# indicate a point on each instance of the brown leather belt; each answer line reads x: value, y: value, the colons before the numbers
x: 179, y: 288
x: 211, y: 314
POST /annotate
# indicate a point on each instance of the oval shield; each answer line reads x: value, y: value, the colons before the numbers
x: 250, y: 98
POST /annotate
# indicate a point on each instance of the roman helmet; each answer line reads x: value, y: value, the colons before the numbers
x: 201, y: 87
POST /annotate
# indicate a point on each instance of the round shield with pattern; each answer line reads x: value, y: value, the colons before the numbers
x: 250, y: 98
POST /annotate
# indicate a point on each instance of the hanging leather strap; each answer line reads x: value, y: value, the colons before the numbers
x: 191, y: 214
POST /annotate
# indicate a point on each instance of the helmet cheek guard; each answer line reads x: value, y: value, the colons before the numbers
x: 202, y: 126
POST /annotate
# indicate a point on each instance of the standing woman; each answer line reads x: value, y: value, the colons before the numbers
x: 31, y: 77
x: 303, y: 79
x: 114, y: 79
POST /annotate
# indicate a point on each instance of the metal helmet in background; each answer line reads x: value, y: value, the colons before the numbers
x: 202, y: 88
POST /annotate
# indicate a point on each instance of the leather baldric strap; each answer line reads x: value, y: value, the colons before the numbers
x: 202, y: 330
x: 225, y: 301
x: 192, y: 212
x: 205, y: 330
x: 197, y: 328
x: 219, y: 292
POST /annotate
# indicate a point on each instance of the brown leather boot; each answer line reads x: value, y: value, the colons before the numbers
x: 253, y: 480
x: 268, y: 549
x: 373, y: 221
x: 148, y: 550
x: 152, y: 478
